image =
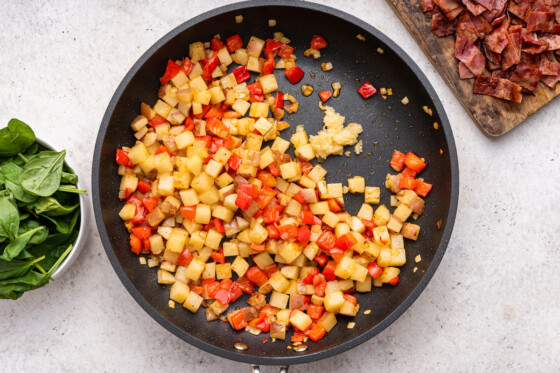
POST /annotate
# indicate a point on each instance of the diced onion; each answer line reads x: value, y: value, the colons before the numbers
x: 271, y: 22
x: 405, y: 100
x: 361, y: 37
x: 238, y: 19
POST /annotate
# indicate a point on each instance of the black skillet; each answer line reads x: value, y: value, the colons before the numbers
x: 388, y: 125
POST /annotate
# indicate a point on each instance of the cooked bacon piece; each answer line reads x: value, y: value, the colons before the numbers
x: 556, y: 28
x: 534, y: 47
x: 493, y: 57
x: 500, y: 88
x: 498, y: 9
x: 466, y: 27
x: 427, y: 5
x: 540, y: 21
x: 501, y: 74
x: 488, y: 4
x: 440, y: 26
x: 526, y: 76
x: 550, y: 81
x: 464, y: 71
x: 451, y: 8
x: 512, y: 53
x: 557, y: 13
x: 497, y: 40
x: 552, y: 40
x: 469, y: 54
x: 549, y: 66
x: 482, y: 25
x: 530, y: 59
x: 473, y: 7
x: 521, y: 9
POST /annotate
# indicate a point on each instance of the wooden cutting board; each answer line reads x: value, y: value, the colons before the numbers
x: 493, y: 115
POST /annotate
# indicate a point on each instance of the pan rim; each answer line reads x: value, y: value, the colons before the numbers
x: 335, y: 349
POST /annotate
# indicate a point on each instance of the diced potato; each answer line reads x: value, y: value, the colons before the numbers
x: 268, y: 83
x: 156, y: 244
x: 198, y: 84
x: 128, y: 211
x: 279, y: 300
x: 209, y: 270
x: 222, y: 155
x: 410, y: 231
x: 193, y: 302
x: 345, y: 285
x: 357, y: 184
x: 291, y: 272
x: 278, y: 330
x: 359, y: 274
x: 163, y: 163
x: 179, y: 291
x: 279, y: 282
x: 240, y: 56
x: 259, y: 109
x: 334, y: 190
x: 197, y: 239
x: 189, y: 197
x: 138, y: 153
x: 332, y: 286
x: 402, y: 212
x: 162, y: 108
x: 253, y: 142
x: 139, y: 123
x: 388, y: 274
x: 165, y: 186
x: 263, y: 125
x: 348, y: 309
x: 381, y: 216
x: 327, y: 321
x: 202, y: 97
x: 255, y: 46
x: 202, y: 182
x: 228, y: 81
x: 223, y: 181
x: 333, y: 301
x: 290, y: 251
x: 293, y: 208
x: 280, y: 145
x: 217, y: 95
x: 305, y: 152
x: 299, y: 138
x: 213, y: 239
x: 213, y: 168
x: 300, y: 320
x: 197, y: 51
x: 176, y: 242
x: 364, y: 286
x: 203, y: 214
x: 194, y: 269
x: 394, y: 224
x: 398, y: 257
x: 223, y: 213
x: 357, y: 225
x: 239, y: 266
x: 345, y: 267
x: 319, y: 208
x: 184, y: 139
x: 317, y: 173
x: 290, y: 170
x: 331, y: 219
x: 241, y: 106
x: 381, y: 235
x: 311, y: 250
x: 263, y: 260
x: 223, y: 271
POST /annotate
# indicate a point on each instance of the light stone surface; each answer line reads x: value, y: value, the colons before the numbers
x: 492, y: 306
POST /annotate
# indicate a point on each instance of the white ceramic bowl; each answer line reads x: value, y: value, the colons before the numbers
x: 84, y: 222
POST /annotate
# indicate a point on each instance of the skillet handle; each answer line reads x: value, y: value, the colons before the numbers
x: 257, y: 369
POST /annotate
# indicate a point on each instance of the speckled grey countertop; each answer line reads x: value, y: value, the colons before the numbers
x: 493, y: 305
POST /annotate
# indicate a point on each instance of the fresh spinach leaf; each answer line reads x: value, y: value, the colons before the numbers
x: 15, y: 138
x: 9, y: 218
x: 41, y: 175
x: 52, y: 207
x: 16, y: 246
x: 16, y: 268
x: 11, y: 173
x: 53, y: 247
x: 32, y: 150
x: 39, y: 236
x: 71, y: 189
x: 64, y: 224
x: 68, y: 178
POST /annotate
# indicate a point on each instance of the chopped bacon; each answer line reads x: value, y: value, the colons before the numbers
x: 482, y: 25
x: 540, y: 21
x: 450, y: 8
x: 469, y: 54
x: 549, y: 66
x: 497, y: 40
x: 464, y: 71
x: 498, y: 9
x: 520, y: 9
x: 501, y: 74
x: 512, y: 53
x: 496, y: 87
x: 530, y: 59
x: 526, y: 76
x: 552, y: 40
x: 550, y: 81
x: 427, y: 5
x: 473, y: 7
x: 534, y: 47
x: 440, y: 26
x: 466, y: 27
x: 488, y: 4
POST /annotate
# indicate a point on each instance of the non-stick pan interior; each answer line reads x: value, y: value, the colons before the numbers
x: 388, y: 125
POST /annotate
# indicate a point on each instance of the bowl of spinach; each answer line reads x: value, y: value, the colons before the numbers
x: 43, y: 222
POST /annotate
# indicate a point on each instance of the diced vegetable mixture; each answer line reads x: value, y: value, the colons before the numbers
x: 222, y: 213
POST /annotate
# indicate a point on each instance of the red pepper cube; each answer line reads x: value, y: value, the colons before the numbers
x: 294, y: 74
x: 367, y: 90
x: 325, y: 95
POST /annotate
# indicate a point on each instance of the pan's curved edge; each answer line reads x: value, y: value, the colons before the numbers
x: 290, y: 360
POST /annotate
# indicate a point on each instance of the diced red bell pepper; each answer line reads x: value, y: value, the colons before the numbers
x: 325, y: 95
x: 234, y: 292
x: 272, y: 231
x: 279, y: 100
x: 274, y: 170
x: 299, y: 197
x: 222, y: 296
x: 294, y: 74
x: 216, y: 44
x: 271, y: 47
x: 156, y: 121
x: 188, y: 212
x: 320, y: 289
x: 241, y: 74
x: 285, y: 51
x: 144, y: 186
x: 297, y: 337
x: 397, y: 161
x: 219, y: 225
x: 394, y: 281
x: 189, y: 124
x: 265, y: 195
x: 213, y: 112
x: 146, y: 245
x: 212, y: 288
x: 271, y: 269
x: 368, y: 224
x: 350, y: 298
x: 250, y: 189
x: 272, y: 214
x: 310, y: 276
x: 333, y: 205
x: 268, y: 67
x: 210, y: 66
x: 336, y: 254
x: 414, y: 162
x: 150, y: 203
x: 407, y: 183
x: 326, y: 240
x: 307, y: 217
x: 187, y: 66
x: 346, y: 241
x: 255, y: 88
x: 185, y: 258
x: 303, y: 235
x: 288, y: 231
x: 374, y: 270
x: 231, y: 115
x: 234, y: 162
x: 261, y: 323
x: 422, y: 188
x: 328, y: 271
x: 135, y: 244
x: 245, y: 285
x: 256, y: 276
x: 202, y: 141
x: 163, y: 149
x: 407, y: 172
x: 306, y: 166
x: 234, y: 43
x: 218, y: 257
x: 122, y: 158
x: 266, y: 178
x: 318, y: 42
x: 314, y: 311
x: 197, y: 289
x: 217, y: 127
x: 321, y: 258
x: 205, y: 109
x: 316, y: 332
x: 258, y: 247
x: 367, y: 90
x: 170, y: 72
